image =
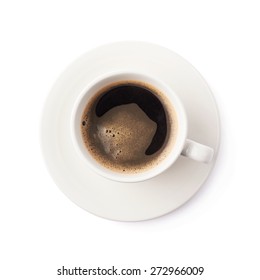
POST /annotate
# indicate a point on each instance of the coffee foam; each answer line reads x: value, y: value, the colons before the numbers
x: 119, y: 129
x: 121, y: 136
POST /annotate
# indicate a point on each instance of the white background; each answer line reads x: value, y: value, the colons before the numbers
x: 41, y: 229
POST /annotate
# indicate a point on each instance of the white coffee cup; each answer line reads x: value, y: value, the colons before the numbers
x: 182, y: 146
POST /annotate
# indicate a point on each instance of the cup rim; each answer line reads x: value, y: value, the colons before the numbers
x: 90, y: 90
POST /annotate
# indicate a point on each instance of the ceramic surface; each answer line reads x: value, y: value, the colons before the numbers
x: 128, y: 201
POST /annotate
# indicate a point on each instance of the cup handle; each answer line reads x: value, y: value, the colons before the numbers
x: 197, y: 151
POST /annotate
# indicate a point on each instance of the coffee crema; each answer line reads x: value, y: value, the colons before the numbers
x: 129, y: 126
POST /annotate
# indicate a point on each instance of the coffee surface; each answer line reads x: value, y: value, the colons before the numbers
x: 125, y: 127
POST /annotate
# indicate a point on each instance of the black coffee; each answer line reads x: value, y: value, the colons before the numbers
x: 126, y: 126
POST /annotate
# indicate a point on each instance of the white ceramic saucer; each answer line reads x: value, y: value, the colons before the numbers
x: 128, y: 201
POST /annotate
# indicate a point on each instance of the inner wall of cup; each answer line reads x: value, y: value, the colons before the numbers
x: 173, y: 149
